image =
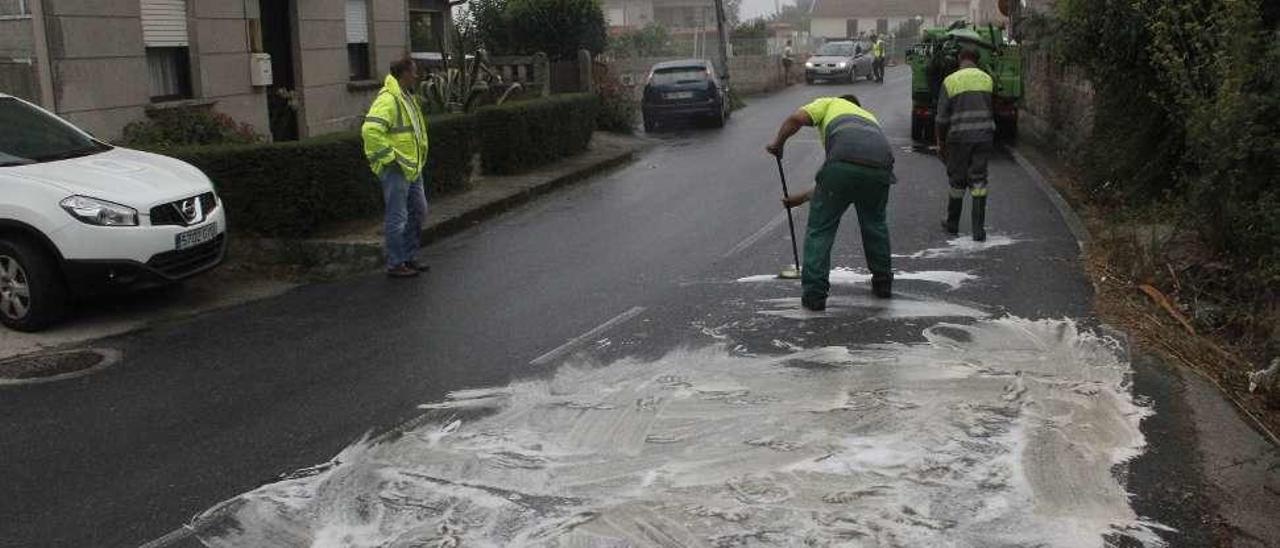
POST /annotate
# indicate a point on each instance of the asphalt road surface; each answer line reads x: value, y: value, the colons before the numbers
x: 615, y: 365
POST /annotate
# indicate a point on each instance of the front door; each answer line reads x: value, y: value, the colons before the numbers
x: 282, y: 96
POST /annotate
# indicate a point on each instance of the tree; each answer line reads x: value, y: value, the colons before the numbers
x: 558, y: 28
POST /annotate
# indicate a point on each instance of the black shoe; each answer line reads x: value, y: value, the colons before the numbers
x: 417, y: 266
x: 814, y: 304
x: 979, y: 218
x: 402, y: 271
x: 882, y: 287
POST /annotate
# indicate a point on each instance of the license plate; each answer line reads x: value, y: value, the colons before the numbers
x: 678, y: 95
x: 192, y: 238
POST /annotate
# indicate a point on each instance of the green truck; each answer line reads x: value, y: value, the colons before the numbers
x: 934, y: 58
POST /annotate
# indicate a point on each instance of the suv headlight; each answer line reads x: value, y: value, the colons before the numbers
x: 808, y: 64
x: 99, y: 212
x: 842, y: 64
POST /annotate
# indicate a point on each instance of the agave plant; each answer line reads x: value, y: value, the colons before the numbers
x: 466, y: 81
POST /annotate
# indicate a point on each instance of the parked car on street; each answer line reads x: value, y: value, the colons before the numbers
x: 844, y: 61
x: 79, y: 216
x: 687, y: 89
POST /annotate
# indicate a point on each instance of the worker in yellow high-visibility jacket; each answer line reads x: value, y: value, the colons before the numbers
x: 395, y: 142
x: 965, y: 131
x: 877, y: 64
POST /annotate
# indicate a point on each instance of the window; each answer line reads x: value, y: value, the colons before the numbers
x: 358, y: 39
x: 14, y: 7
x: 40, y: 136
x: 882, y: 27
x: 170, y: 73
x: 164, y: 33
x: 851, y: 28
x: 426, y: 30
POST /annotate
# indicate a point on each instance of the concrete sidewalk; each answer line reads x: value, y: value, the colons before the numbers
x: 262, y: 268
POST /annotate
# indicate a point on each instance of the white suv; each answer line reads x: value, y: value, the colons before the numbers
x: 79, y: 216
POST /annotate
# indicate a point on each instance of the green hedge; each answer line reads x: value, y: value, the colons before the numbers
x: 519, y: 136
x: 291, y: 189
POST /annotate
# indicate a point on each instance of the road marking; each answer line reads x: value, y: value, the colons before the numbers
x: 752, y: 239
x: 566, y: 347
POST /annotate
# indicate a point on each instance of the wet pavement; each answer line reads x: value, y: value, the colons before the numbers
x: 614, y: 365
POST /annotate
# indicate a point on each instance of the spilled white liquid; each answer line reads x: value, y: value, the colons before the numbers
x: 867, y: 306
x: 962, y: 246
x: 1001, y: 433
x: 856, y: 276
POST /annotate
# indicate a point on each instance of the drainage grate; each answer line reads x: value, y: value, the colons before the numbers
x: 51, y: 366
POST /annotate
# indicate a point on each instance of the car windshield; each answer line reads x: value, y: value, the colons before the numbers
x: 836, y: 50
x: 32, y: 135
x: 679, y: 75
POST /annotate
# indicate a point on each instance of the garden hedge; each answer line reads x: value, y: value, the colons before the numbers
x: 290, y: 189
x: 515, y: 137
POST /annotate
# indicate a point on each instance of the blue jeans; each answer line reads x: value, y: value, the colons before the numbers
x: 406, y: 209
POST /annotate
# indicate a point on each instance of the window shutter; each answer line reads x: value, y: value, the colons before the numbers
x: 164, y: 23
x: 357, y: 22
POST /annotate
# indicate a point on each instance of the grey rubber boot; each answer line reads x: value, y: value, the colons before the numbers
x: 979, y: 218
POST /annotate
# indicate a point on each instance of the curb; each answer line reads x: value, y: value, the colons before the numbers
x: 1069, y: 215
x: 457, y: 223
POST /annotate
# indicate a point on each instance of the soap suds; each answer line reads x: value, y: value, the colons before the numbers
x: 1005, y: 436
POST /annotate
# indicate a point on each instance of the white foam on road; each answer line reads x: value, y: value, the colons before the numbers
x: 1004, y: 432
x: 857, y: 276
x: 962, y: 246
x: 899, y: 307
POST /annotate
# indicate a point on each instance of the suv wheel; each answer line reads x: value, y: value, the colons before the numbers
x: 32, y: 294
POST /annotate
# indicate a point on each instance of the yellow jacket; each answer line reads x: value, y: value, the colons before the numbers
x: 389, y: 135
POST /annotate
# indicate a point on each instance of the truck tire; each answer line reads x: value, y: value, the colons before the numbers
x: 1007, y: 129
x: 917, y: 130
x: 33, y: 295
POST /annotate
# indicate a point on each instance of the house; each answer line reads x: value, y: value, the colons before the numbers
x: 673, y: 14
x: 839, y: 19
x: 288, y: 68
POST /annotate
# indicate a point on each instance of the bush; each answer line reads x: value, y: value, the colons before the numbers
x: 618, y: 106
x: 519, y: 136
x: 290, y: 189
x: 171, y: 128
x: 558, y: 28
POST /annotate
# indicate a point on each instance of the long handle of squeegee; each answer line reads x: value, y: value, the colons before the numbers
x: 782, y: 176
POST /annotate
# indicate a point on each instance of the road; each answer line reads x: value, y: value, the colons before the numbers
x: 613, y: 363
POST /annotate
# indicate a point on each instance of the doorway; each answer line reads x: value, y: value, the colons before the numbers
x: 283, y: 99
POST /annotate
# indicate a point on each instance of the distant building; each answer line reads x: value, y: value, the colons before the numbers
x: 838, y: 19
x: 104, y: 63
x: 673, y: 14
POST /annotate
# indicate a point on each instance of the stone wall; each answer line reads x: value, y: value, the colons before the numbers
x: 1057, y: 104
x: 748, y: 73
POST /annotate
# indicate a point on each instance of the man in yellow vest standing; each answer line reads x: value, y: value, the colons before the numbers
x: 858, y: 171
x: 395, y: 142
x: 965, y: 130
x: 877, y: 65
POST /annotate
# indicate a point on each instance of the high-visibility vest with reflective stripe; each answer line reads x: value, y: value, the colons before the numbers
x: 965, y: 106
x: 849, y: 133
x: 878, y: 48
x: 389, y: 135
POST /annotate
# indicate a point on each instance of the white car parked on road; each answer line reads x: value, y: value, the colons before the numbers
x: 79, y: 216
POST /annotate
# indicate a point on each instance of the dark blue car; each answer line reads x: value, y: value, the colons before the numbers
x: 683, y: 90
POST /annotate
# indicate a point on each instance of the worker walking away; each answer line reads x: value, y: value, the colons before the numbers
x: 965, y: 133
x: 877, y: 65
x: 395, y: 143
x: 858, y: 171
x: 787, y: 61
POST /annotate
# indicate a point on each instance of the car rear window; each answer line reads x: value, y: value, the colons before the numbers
x: 841, y: 50
x: 679, y: 75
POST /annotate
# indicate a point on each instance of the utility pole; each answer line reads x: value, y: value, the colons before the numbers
x: 724, y: 43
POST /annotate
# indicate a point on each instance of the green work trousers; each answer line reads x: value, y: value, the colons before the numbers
x: 839, y: 186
